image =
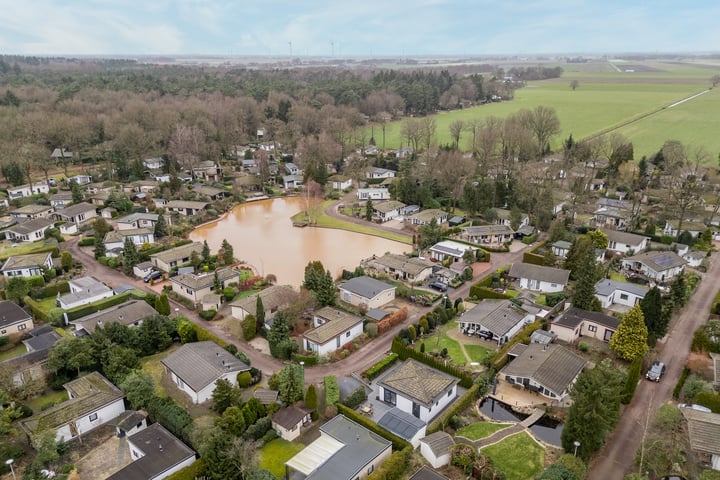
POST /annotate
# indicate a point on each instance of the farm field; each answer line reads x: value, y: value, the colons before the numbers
x: 606, y: 98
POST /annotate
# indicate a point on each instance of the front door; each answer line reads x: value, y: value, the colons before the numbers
x: 608, y: 334
x: 416, y: 410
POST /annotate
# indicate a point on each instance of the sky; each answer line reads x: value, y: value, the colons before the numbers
x: 356, y: 27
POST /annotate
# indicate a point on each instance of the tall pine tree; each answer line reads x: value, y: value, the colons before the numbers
x: 130, y: 256
x: 585, y: 275
x: 652, y: 308
x: 161, y: 229
x: 630, y: 339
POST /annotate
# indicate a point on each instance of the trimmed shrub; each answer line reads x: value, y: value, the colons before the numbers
x: 332, y: 390
x: 454, y: 409
x: 207, y: 314
x: 87, y: 242
x: 355, y: 398
x: 680, y: 383
x: 394, y: 467
x: 632, y: 380
x: 203, y: 334
x: 381, y: 366
x: 257, y: 430
x: 500, y: 358
x: 50, y: 290
x: 244, y: 379
x: 407, y: 352
x: 191, y: 472
x: 530, y: 239
x: 710, y: 400
x: 81, y: 311
x: 397, y: 442
x: 309, y: 360
x: 484, y: 292
x: 533, y: 258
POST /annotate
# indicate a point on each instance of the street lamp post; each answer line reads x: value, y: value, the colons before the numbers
x: 577, y: 444
x: 177, y: 312
x: 9, y: 463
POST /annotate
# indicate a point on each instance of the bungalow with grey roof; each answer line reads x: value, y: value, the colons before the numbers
x: 368, y: 291
x: 489, y: 235
x: 196, y: 367
x: 449, y: 249
x: 561, y: 248
x: 344, y: 451
x: 660, y: 266
x: 624, y: 242
x: 211, y: 193
x: 292, y: 181
x: 31, y: 211
x: 26, y: 190
x: 574, y: 323
x: 373, y: 194
x: 92, y: 401
x: 610, y: 292
x: 75, y: 216
x: 704, y: 432
x: 502, y: 318
x: 340, y: 182
x: 115, y: 239
x: 29, y: 230
x: 130, y: 313
x: 13, y: 319
x: 549, y: 370
x: 388, y: 210
x: 174, y: 257
x: 424, y: 217
x: 377, y: 172
x: 539, y: 277
x: 504, y: 217
x: 139, y: 220
x: 400, y: 267
x: 29, y: 265
x: 274, y: 299
x: 83, y: 291
x: 196, y: 287
x: 156, y: 454
x: 288, y: 421
x: 208, y: 171
x: 418, y: 389
x: 186, y: 208
x: 332, y: 328
x: 60, y: 200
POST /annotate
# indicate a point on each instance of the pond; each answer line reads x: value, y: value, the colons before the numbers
x: 546, y: 429
x: 262, y: 234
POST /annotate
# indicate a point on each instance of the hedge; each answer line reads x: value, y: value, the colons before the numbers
x: 83, y: 310
x: 332, y: 390
x: 394, y: 467
x: 484, y: 292
x: 457, y: 407
x: 632, y: 381
x: 500, y: 357
x: 533, y: 258
x: 681, y: 381
x: 191, y: 472
x: 381, y: 366
x: 710, y: 400
x: 397, y: 442
x: 529, y: 239
x: 309, y: 360
x: 406, y: 352
x: 50, y: 290
x: 203, y: 334
x: 35, y: 309
x: 87, y: 242
x: 355, y: 398
x: 715, y: 307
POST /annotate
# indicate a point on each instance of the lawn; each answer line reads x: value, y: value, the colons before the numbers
x: 479, y: 430
x: 478, y: 353
x: 327, y: 221
x: 152, y: 366
x: 606, y: 99
x: 274, y: 455
x: 617, y: 276
x: 46, y: 401
x: 8, y: 250
x: 518, y: 456
x: 16, y: 351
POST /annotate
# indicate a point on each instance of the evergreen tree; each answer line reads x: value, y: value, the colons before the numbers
x: 232, y: 421
x: 224, y: 396
x: 652, y: 309
x: 577, y: 258
x: 77, y: 194
x: 17, y: 289
x: 217, y: 286
x: 249, y: 328
x: 161, y: 228
x: 313, y: 274
x: 162, y: 304
x: 281, y: 346
x: 326, y: 293
x: 430, y: 234
x: 595, y: 409
x: 205, y: 254
x: 291, y: 383
x: 586, y: 268
x: 259, y: 311
x: 368, y: 210
x: 678, y: 291
x: 130, y: 256
x: 226, y: 253
x: 630, y: 339
x: 100, y: 249
x: 311, y: 401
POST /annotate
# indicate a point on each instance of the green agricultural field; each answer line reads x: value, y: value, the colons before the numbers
x: 519, y: 457
x: 605, y: 99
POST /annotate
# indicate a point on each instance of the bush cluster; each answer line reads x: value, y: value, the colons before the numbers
x: 332, y: 390
x: 381, y: 366
x: 355, y: 398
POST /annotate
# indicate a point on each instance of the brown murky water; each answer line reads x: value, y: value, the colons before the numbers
x: 262, y: 234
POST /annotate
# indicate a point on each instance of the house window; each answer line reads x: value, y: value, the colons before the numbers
x: 370, y: 469
x: 623, y: 296
x: 389, y: 397
x: 22, y: 327
x: 93, y: 417
x: 347, y: 334
x: 592, y: 328
x: 3, y: 332
x: 449, y: 392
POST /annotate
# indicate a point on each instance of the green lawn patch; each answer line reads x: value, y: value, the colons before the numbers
x: 435, y: 344
x: 8, y: 250
x: 152, y: 366
x: 274, y: 455
x: 16, y: 351
x: 48, y: 400
x: 479, y: 430
x: 541, y: 300
x: 478, y: 353
x: 47, y: 303
x: 518, y: 456
x: 245, y: 294
x: 617, y: 276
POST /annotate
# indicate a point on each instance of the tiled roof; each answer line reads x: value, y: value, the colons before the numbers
x: 202, y: 363
x: 126, y: 313
x: 419, y: 382
x: 178, y: 252
x: 607, y: 287
x: 198, y: 282
x: 658, y: 261
x: 553, y: 366
x: 289, y: 417
x: 427, y: 473
x: 336, y: 322
x: 498, y: 316
x: 366, y: 287
x: 624, y: 237
x: 704, y: 430
x: 274, y: 297
x: 24, y: 261
x: 76, y: 209
x: 11, y: 313
x: 573, y: 317
x: 439, y: 442
x: 401, y: 263
x: 30, y: 226
x: 539, y: 272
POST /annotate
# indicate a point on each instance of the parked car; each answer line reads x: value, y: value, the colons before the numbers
x: 439, y: 286
x: 154, y: 275
x: 699, y: 408
x: 485, y: 334
x: 656, y: 371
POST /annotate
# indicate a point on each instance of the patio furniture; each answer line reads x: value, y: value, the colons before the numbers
x: 366, y: 410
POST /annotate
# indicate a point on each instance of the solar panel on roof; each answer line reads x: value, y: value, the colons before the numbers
x: 665, y: 261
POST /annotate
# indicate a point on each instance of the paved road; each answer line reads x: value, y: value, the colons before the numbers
x: 367, y: 356
x: 617, y: 458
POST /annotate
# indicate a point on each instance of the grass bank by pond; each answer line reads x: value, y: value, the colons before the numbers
x: 518, y: 456
x: 479, y: 430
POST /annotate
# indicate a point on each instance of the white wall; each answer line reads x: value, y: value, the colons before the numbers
x: 84, y: 424
x: 86, y: 301
x: 426, y: 415
x: 288, y: 435
x: 331, y: 346
x: 565, y: 334
x: 436, y: 462
x: 376, y: 302
x: 544, y: 287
